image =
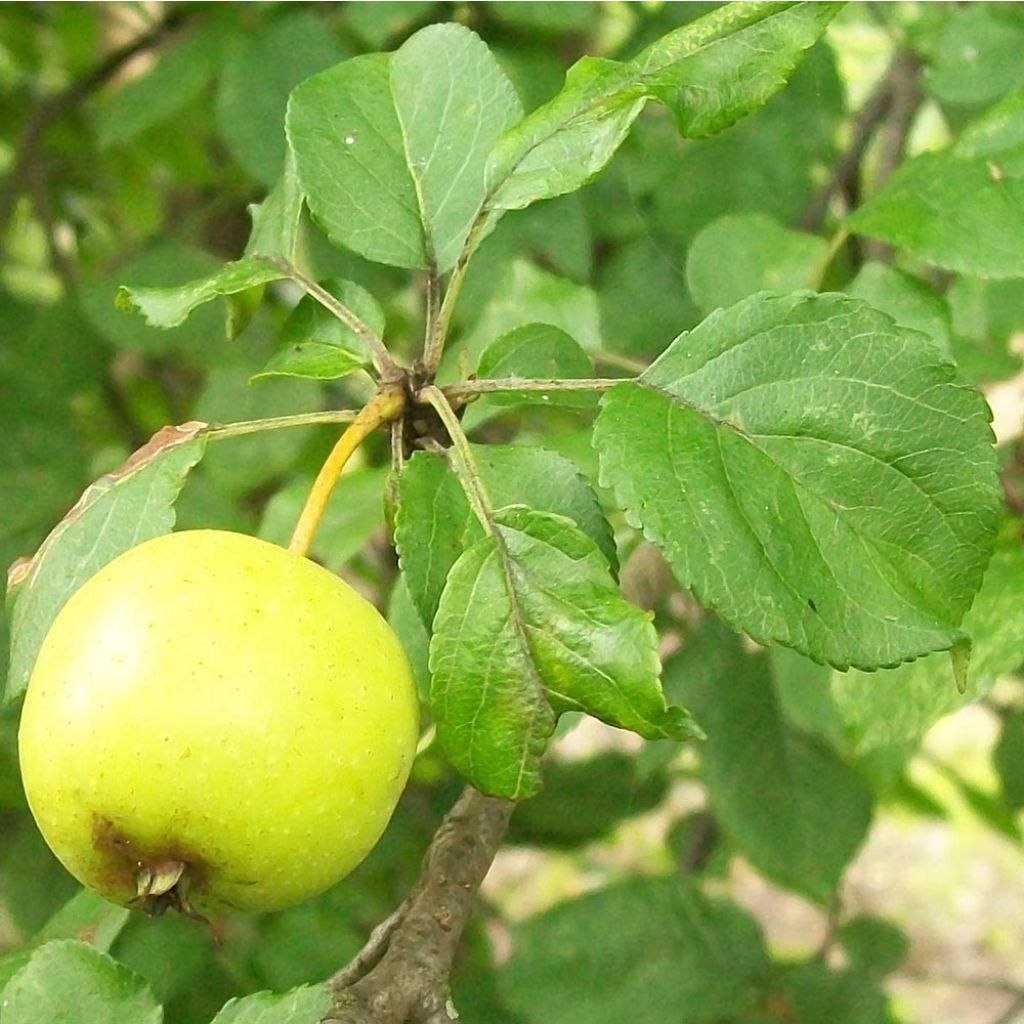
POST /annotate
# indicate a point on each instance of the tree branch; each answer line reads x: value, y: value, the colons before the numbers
x: 402, y: 973
x: 27, y: 152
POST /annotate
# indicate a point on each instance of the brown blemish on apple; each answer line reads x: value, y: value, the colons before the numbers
x: 163, y: 876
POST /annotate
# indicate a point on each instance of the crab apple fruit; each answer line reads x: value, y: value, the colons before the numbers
x: 215, y: 721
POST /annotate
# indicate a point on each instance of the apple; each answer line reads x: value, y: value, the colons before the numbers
x: 215, y: 721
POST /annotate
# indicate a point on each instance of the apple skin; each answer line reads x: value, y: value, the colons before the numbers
x: 212, y: 700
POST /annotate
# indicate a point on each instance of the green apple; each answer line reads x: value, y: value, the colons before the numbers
x: 213, y: 720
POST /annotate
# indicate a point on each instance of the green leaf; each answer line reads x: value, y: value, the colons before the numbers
x: 259, y: 72
x: 897, y: 708
x: 908, y: 300
x: 175, y: 80
x: 813, y: 472
x: 977, y: 56
x: 536, y: 351
x: 116, y: 513
x: 531, y: 295
x: 997, y: 134
x: 86, y: 917
x: 709, y: 73
x: 355, y: 511
x: 646, y: 951
x: 813, y: 993
x: 274, y: 232
x: 67, y: 980
x: 530, y: 623
x: 875, y: 946
x: 987, y: 319
x: 740, y: 254
x: 531, y: 352
x: 583, y: 801
x: 391, y: 148
x: 435, y: 524
x: 959, y: 213
x: 168, y: 307
x: 786, y: 801
x: 375, y: 24
x: 305, y: 1005
x: 1008, y: 760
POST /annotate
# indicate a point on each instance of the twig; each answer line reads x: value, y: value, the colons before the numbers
x: 905, y: 98
x: 469, y: 388
x: 402, y: 973
x: 389, y: 370
x: 33, y: 135
x: 890, y: 107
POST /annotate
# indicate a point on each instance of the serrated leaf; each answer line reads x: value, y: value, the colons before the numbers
x: 274, y: 231
x: 963, y: 214
x: 531, y: 624
x: 645, y: 951
x: 709, y: 73
x: 67, y: 980
x: 315, y: 343
x: 740, y: 254
x: 908, y: 300
x: 305, y: 1005
x: 391, y: 148
x: 814, y: 472
x: 435, y: 524
x: 897, y: 708
x: 168, y: 307
x: 119, y: 511
x: 786, y: 801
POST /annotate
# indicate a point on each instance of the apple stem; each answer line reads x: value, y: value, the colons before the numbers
x: 385, y: 406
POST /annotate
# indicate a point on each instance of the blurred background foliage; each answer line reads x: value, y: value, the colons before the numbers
x: 133, y: 137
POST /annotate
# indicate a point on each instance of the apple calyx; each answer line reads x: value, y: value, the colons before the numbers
x: 161, y: 886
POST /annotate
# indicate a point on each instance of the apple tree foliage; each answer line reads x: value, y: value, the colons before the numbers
x: 694, y: 307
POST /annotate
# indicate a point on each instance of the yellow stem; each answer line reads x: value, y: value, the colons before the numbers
x: 385, y: 406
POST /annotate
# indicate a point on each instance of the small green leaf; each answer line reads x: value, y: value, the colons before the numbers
x: 535, y: 351
x: 168, y: 307
x: 274, y: 232
x: 815, y: 473
x: 531, y: 621
x: 786, y: 801
x: 533, y: 296
x: 647, y: 951
x: 116, y: 513
x: 391, y: 148
x: 875, y: 946
x: 305, y: 1005
x: 531, y: 352
x: 709, y: 73
x: 435, y: 523
x: 740, y: 254
x: 814, y: 992
x: 315, y: 343
x: 71, y: 981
